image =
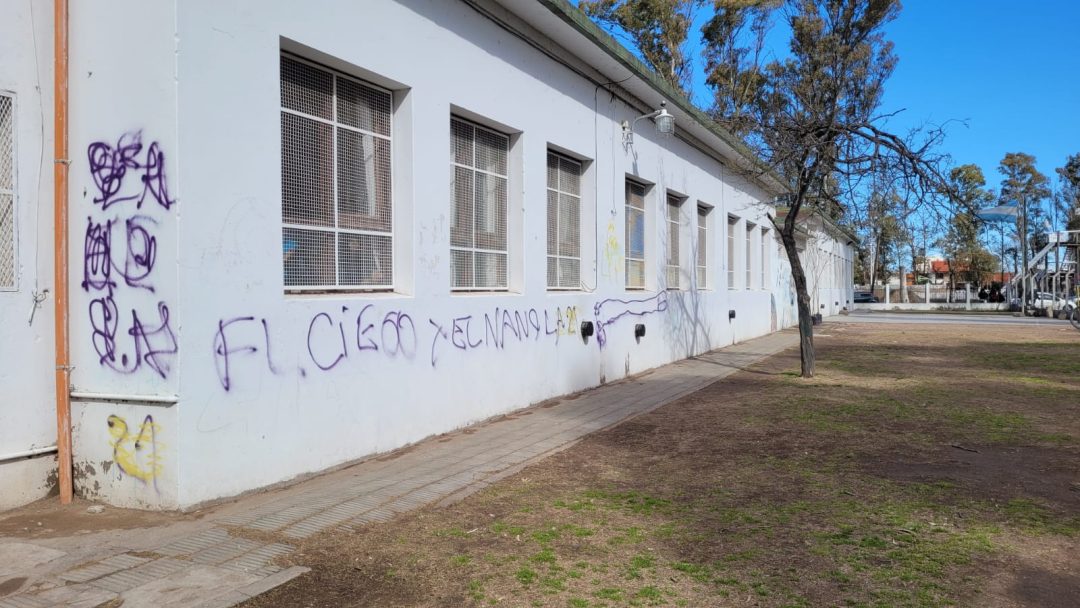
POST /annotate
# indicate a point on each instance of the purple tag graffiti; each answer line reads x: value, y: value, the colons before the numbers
x: 123, y: 173
x: 109, y: 166
x: 609, y: 311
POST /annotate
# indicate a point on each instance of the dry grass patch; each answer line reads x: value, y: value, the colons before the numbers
x: 924, y: 466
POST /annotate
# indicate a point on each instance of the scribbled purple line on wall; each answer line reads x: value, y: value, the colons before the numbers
x: 607, y: 312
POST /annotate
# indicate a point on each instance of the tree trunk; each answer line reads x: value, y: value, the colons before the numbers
x: 802, y: 298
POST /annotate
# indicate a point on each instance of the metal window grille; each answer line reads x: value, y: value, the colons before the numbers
x: 336, y: 199
x: 749, y: 254
x: 673, y: 278
x: 732, y: 222
x: 564, y: 222
x: 702, y: 247
x: 764, y: 258
x: 8, y: 270
x: 635, y: 236
x: 478, y: 249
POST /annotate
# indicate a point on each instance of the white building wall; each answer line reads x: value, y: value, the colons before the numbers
x: 197, y: 377
x: 27, y: 415
x: 126, y: 315
x: 282, y: 415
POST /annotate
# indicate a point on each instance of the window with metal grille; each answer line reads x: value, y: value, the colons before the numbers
x: 702, y: 247
x: 749, y: 255
x: 673, y: 205
x: 8, y: 269
x: 635, y: 235
x: 478, y: 252
x: 563, y: 222
x: 336, y: 207
x: 732, y: 223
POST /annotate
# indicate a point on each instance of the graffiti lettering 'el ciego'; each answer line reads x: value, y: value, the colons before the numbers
x: 332, y: 339
x: 120, y: 253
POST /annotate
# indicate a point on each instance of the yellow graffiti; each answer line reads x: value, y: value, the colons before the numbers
x: 135, y: 453
x: 566, y: 320
x: 613, y: 256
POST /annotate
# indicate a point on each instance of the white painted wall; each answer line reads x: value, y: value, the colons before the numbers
x: 27, y: 415
x: 283, y: 416
x: 199, y: 81
x: 125, y: 214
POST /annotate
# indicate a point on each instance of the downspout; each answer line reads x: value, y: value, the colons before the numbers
x: 61, y: 163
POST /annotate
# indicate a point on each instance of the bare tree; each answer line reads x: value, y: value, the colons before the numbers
x: 816, y: 121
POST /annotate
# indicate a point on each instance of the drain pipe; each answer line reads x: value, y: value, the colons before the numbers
x: 61, y: 162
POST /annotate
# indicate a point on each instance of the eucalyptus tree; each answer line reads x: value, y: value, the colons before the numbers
x: 1024, y: 186
x: 658, y: 29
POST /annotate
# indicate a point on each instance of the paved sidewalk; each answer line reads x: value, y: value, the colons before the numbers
x: 216, y: 562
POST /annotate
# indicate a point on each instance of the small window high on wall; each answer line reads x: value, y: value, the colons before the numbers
x: 563, y: 222
x: 8, y: 268
x: 336, y: 207
x: 478, y: 243
x: 635, y: 235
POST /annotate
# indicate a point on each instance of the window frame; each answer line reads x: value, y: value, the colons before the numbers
x: 701, y: 262
x: 673, y: 222
x: 473, y: 250
x: 14, y: 191
x: 557, y: 257
x: 643, y: 210
x: 336, y: 230
x: 750, y: 229
x: 732, y: 226
x: 764, y: 247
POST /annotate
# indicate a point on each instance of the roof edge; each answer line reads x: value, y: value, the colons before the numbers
x: 588, y: 28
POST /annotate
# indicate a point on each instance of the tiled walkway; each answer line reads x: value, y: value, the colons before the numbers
x: 216, y: 564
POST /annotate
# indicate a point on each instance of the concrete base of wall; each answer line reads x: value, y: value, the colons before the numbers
x: 26, y: 480
x: 124, y: 454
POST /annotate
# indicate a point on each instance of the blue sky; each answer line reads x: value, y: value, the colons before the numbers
x: 1009, y: 70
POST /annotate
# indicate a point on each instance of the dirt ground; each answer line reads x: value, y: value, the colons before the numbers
x: 922, y: 466
x: 47, y: 518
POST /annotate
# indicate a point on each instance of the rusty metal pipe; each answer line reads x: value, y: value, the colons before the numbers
x: 61, y: 163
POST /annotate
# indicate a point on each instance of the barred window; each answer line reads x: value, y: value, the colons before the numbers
x: 749, y: 255
x: 564, y: 222
x: 7, y: 192
x: 635, y: 235
x: 702, y: 247
x: 673, y: 205
x: 478, y: 252
x: 732, y: 223
x: 336, y: 205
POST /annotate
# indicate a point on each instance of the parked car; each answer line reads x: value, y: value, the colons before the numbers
x: 1070, y: 303
x: 1048, y: 301
x: 865, y: 297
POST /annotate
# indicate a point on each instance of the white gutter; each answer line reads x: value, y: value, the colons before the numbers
x: 27, y: 453
x: 152, y: 399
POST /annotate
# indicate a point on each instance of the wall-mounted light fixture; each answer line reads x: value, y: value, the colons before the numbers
x: 639, y: 331
x: 665, y: 123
